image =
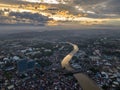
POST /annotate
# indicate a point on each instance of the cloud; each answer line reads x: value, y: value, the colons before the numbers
x: 102, y: 8
x: 88, y: 2
x: 96, y: 9
x: 28, y: 15
x: 10, y: 1
x: 21, y: 18
x: 98, y: 6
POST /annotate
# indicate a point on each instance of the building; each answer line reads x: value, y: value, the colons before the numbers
x: 25, y: 65
x: 22, y: 66
x: 31, y: 65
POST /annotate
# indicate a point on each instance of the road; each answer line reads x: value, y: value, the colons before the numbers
x: 85, y: 82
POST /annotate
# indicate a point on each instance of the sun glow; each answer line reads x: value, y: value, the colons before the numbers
x: 55, y: 18
x: 45, y: 1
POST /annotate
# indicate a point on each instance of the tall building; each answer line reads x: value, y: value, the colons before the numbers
x: 25, y: 65
x: 22, y: 66
x: 31, y: 65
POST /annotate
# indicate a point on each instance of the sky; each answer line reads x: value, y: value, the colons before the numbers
x: 60, y: 12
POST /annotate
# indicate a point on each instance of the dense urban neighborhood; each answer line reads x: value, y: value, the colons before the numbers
x: 27, y: 64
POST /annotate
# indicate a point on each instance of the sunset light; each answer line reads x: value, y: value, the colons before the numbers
x: 59, y: 44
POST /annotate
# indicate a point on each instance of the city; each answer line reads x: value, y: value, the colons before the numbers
x: 59, y: 44
x: 28, y: 64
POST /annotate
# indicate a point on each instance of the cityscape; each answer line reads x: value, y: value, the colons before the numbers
x: 33, y: 64
x: 59, y: 45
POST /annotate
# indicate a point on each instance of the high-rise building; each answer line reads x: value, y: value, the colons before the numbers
x: 25, y: 65
x: 31, y: 65
x: 22, y: 66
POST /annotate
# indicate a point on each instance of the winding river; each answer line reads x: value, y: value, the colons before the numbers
x: 85, y: 82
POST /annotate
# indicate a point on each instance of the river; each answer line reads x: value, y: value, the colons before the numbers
x: 85, y: 82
